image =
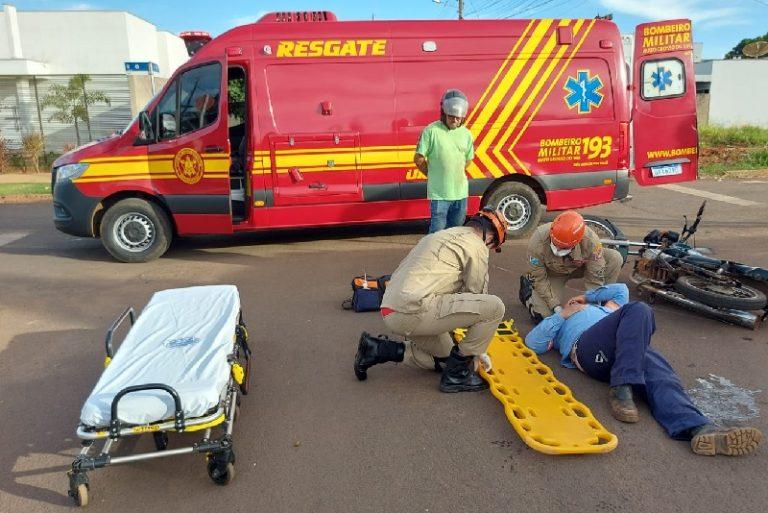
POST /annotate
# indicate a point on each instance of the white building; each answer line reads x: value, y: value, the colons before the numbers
x: 39, y: 49
x: 732, y: 92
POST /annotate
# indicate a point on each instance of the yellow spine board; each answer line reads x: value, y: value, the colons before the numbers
x: 542, y: 410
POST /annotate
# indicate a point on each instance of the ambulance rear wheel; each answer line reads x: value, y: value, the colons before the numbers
x: 135, y: 230
x: 520, y: 205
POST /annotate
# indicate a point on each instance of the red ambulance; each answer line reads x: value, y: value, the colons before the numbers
x: 302, y: 120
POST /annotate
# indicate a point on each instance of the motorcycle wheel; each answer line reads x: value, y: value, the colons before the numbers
x: 720, y: 295
x: 605, y: 229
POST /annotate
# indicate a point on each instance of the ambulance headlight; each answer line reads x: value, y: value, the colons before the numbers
x: 70, y: 171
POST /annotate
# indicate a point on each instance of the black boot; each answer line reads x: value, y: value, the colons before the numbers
x: 372, y: 350
x: 440, y: 363
x: 459, y: 376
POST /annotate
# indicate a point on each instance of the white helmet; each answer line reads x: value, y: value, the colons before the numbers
x: 454, y: 103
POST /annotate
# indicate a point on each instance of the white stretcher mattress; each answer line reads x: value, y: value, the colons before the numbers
x: 182, y: 339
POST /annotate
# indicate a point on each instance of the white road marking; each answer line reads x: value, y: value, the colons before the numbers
x: 7, y: 238
x: 710, y: 195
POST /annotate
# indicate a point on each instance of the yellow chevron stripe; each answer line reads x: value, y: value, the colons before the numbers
x: 540, y: 78
x: 512, y: 104
x: 552, y: 83
x: 491, y: 86
x: 498, y: 95
x: 500, y: 91
x: 552, y: 66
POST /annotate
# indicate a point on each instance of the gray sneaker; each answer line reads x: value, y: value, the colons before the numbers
x: 622, y: 404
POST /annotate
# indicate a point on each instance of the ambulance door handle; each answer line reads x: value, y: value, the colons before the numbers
x: 295, y: 174
x: 318, y: 185
x: 213, y: 149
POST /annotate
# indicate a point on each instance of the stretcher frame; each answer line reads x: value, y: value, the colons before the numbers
x: 219, y: 452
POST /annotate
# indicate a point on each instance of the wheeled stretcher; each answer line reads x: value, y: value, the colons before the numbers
x: 181, y: 368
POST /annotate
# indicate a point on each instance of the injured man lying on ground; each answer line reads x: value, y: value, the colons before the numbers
x: 609, y: 339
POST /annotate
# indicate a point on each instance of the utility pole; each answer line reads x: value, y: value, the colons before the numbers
x: 461, y: 7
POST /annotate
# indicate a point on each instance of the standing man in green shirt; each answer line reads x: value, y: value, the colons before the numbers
x: 444, y: 151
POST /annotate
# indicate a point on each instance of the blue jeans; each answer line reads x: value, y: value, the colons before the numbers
x: 617, y: 349
x: 446, y: 214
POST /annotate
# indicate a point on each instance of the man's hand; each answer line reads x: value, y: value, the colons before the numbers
x: 571, y: 308
x: 484, y: 361
x: 581, y: 299
x: 421, y: 163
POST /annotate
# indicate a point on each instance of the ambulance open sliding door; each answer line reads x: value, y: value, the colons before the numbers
x: 315, y: 169
x: 664, y: 128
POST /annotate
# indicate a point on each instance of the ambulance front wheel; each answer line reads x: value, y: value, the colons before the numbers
x: 520, y: 205
x: 135, y: 230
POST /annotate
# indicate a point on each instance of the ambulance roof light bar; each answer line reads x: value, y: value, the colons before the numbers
x: 297, y: 16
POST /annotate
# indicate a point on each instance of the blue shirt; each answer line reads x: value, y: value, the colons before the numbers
x: 560, y: 333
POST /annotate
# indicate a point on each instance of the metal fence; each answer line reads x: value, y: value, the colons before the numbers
x: 22, y: 111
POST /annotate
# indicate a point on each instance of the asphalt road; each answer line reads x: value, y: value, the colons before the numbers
x: 311, y: 438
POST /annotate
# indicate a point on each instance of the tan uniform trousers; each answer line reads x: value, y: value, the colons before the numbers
x: 613, y: 263
x: 428, y: 332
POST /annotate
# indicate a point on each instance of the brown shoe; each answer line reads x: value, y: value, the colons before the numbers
x: 710, y: 440
x: 622, y: 405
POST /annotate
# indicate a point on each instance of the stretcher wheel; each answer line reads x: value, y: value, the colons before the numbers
x: 220, y: 472
x: 81, y: 495
x: 161, y: 440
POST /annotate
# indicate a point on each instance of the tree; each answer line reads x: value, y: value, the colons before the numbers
x: 71, y: 103
x: 236, y: 92
x: 736, y: 52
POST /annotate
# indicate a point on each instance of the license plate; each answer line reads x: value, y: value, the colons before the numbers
x: 667, y: 170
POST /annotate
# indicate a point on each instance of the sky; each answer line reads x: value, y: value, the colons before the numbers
x: 718, y: 24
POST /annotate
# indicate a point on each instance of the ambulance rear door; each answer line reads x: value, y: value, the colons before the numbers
x: 665, y: 136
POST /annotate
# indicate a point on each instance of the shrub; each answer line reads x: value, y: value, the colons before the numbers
x: 5, y: 156
x: 31, y: 148
x: 758, y: 158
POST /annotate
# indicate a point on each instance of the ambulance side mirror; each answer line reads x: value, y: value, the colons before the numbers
x: 146, y: 132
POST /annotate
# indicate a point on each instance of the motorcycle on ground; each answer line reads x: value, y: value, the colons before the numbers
x: 667, y: 267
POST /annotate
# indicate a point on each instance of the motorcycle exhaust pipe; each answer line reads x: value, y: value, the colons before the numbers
x: 738, y: 317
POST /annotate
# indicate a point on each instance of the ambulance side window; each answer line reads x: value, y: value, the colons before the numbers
x: 199, y: 97
x: 663, y: 79
x: 166, y: 115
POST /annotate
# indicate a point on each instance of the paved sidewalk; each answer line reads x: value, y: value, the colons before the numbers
x: 25, y: 177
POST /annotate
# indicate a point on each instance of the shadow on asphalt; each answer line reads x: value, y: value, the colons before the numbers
x: 38, y: 428
x: 87, y: 249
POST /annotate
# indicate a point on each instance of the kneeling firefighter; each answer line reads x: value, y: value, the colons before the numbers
x: 442, y: 285
x: 561, y: 250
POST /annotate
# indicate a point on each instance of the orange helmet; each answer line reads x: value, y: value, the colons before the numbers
x: 566, y: 231
x: 487, y: 217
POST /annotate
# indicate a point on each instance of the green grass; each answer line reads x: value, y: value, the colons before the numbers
x: 754, y: 159
x: 747, y: 135
x: 14, y: 189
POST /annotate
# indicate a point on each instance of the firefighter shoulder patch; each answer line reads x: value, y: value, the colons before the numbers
x: 597, y: 254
